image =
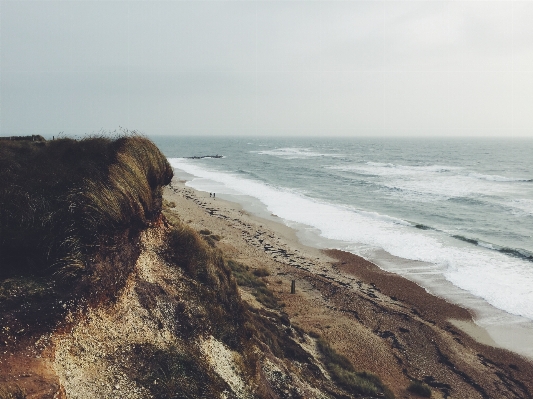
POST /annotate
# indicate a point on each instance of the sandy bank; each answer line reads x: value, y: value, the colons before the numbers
x: 382, y: 322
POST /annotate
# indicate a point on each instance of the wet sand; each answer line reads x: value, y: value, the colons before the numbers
x: 382, y: 322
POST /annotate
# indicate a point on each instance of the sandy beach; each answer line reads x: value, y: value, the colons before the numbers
x: 382, y: 322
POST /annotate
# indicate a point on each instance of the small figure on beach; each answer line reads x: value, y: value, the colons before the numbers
x: 213, y: 195
x: 210, y: 195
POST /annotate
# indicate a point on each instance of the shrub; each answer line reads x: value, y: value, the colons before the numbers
x: 265, y: 296
x: 314, y: 334
x: 343, y: 372
x: 245, y: 278
x: 420, y: 389
x: 261, y: 272
x: 190, y: 252
x: 173, y: 373
x: 332, y: 357
x: 213, y: 283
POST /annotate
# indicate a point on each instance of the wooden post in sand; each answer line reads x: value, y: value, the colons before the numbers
x: 293, y: 287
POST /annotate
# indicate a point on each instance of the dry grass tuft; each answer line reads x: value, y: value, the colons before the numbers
x: 15, y: 392
x: 173, y: 372
x: 247, y: 278
x: 343, y: 372
x: 420, y: 389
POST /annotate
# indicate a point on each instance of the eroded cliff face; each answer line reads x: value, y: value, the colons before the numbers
x: 169, y: 334
x: 102, y: 296
x: 182, y: 330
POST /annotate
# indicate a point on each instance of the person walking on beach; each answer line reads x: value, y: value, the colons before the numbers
x: 213, y: 195
x: 210, y: 195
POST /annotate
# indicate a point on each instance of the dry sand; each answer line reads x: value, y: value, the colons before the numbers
x: 382, y: 322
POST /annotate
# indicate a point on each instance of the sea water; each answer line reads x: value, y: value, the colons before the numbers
x: 454, y: 215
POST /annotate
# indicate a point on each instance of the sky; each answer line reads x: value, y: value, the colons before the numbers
x: 328, y: 68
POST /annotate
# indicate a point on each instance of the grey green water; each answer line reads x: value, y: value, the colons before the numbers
x: 459, y: 211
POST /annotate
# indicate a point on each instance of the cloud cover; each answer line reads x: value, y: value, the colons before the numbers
x: 430, y: 68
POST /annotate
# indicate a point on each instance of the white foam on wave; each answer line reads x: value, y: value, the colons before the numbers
x: 294, y: 153
x: 410, y: 169
x: 430, y: 182
x: 523, y: 204
x: 497, y: 178
x: 444, y: 187
x: 486, y: 245
x: 504, y: 282
x: 390, y: 169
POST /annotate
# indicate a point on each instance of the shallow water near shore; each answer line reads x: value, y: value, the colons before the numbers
x: 457, y: 243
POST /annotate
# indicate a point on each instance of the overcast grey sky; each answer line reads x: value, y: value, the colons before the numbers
x: 430, y: 68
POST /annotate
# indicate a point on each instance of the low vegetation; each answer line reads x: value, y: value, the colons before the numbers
x: 209, y: 237
x: 420, y: 389
x: 213, y: 282
x: 261, y: 272
x: 173, y: 372
x: 343, y: 372
x: 250, y: 278
x: 12, y: 392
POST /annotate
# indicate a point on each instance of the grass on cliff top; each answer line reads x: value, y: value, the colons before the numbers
x: 65, y: 205
x: 58, y: 198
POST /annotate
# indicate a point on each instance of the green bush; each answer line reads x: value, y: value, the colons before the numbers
x: 420, y: 389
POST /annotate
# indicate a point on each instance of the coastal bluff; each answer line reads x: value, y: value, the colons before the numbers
x: 106, y: 292
x: 117, y: 280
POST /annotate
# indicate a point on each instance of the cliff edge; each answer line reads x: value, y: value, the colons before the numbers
x: 105, y: 292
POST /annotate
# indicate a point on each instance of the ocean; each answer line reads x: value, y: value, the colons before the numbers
x: 454, y: 215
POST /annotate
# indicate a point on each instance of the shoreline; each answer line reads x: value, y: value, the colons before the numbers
x: 491, y: 325
x: 374, y: 317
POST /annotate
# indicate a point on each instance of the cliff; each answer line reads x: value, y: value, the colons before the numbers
x: 107, y: 292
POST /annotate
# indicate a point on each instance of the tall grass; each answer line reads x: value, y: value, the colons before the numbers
x: 131, y: 192
x: 59, y: 198
x: 213, y: 280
